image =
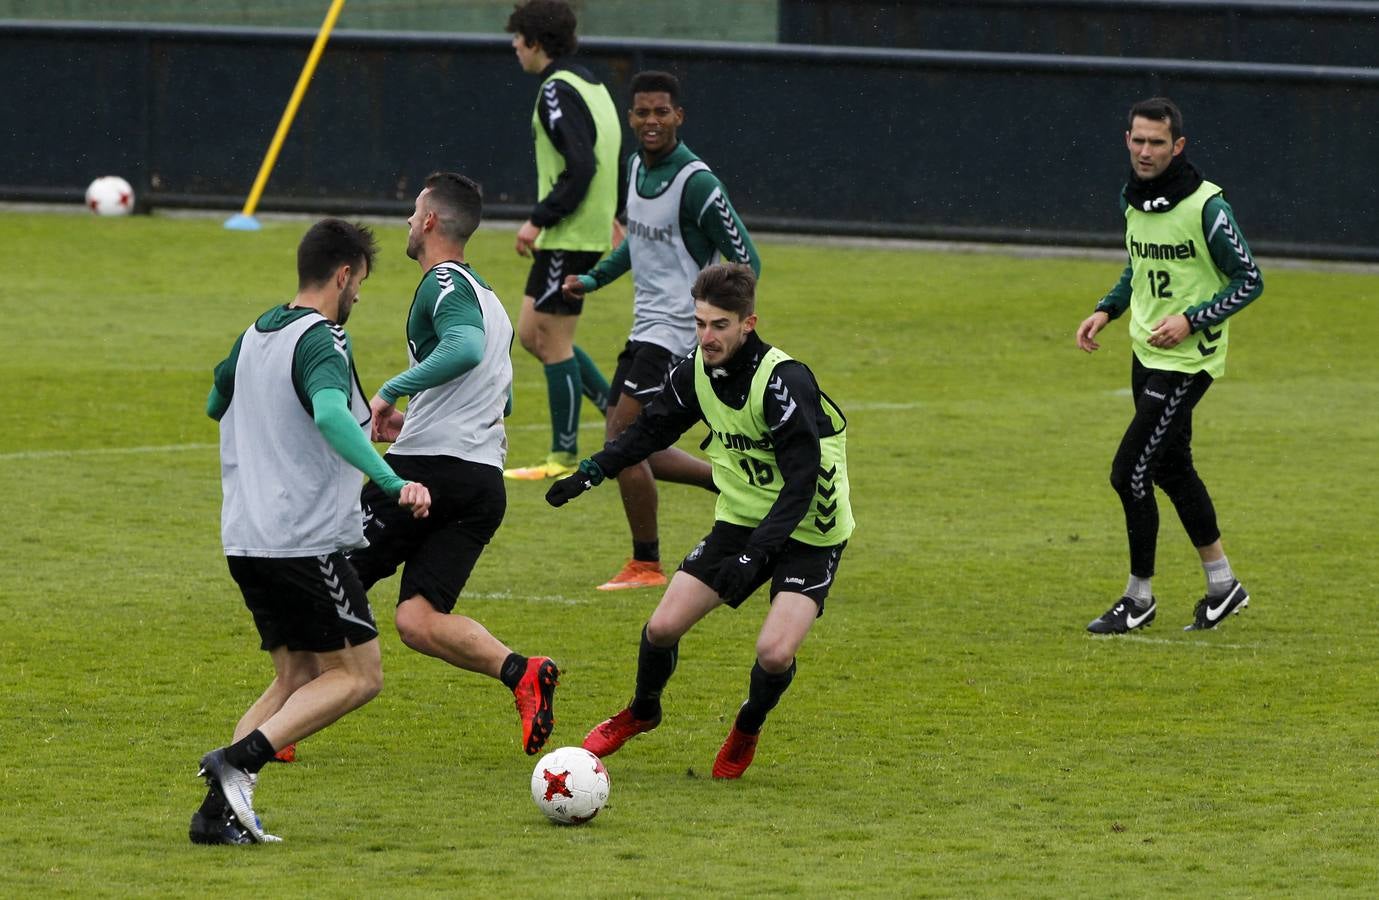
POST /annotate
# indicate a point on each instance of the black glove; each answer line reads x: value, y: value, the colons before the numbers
x: 571, y: 486
x: 736, y: 576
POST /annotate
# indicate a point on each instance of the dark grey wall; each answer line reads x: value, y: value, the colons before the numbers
x: 1324, y: 32
x: 909, y: 143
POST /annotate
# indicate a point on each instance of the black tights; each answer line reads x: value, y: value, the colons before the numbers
x: 1157, y: 449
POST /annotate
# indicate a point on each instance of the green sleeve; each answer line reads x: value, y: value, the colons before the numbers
x: 1231, y: 254
x: 706, y: 205
x: 1118, y: 300
x: 459, y: 321
x: 322, y: 360
x: 331, y: 411
x: 223, y: 383
x: 216, y: 404
x: 610, y: 268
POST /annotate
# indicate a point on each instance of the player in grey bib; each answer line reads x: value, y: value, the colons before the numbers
x: 679, y: 221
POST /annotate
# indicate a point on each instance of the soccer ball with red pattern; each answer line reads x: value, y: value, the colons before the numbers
x: 570, y: 785
x: 110, y: 195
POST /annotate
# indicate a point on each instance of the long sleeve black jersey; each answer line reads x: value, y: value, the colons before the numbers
x: 570, y: 126
x: 794, y: 414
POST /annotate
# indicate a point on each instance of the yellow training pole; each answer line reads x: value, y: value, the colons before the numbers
x: 245, y: 220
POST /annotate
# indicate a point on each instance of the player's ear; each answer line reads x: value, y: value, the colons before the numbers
x: 1179, y: 144
x: 749, y: 324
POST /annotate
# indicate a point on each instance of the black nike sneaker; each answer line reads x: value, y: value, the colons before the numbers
x: 1123, y: 617
x: 224, y: 829
x: 1211, y: 611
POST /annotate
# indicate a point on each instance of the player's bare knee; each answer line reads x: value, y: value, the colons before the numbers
x: 530, y: 339
x: 662, y: 630
x: 414, y: 626
x: 368, y: 684
x: 774, y: 656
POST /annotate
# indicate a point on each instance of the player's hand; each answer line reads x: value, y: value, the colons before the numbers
x: 526, y: 237
x: 1170, y: 331
x: 383, y: 418
x: 619, y: 233
x: 1088, y: 330
x: 571, y: 486
x: 572, y: 288
x: 416, y: 497
x: 736, y: 576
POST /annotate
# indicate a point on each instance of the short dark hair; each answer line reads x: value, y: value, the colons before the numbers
x: 654, y: 82
x: 1160, y: 109
x: 330, y: 244
x: 728, y: 286
x: 550, y: 23
x: 458, y: 203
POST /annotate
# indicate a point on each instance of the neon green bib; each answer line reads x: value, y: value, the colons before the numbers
x: 590, y: 226
x: 1172, y: 269
x: 744, y: 461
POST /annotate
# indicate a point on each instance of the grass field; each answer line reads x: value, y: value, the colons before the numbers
x: 952, y: 730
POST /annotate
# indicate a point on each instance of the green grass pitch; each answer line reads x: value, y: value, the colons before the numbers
x: 952, y: 730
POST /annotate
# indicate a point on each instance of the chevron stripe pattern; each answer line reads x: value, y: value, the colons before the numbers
x: 555, y: 274
x: 825, y: 506
x: 1221, y: 309
x: 337, y: 335
x: 739, y: 254
x: 552, y: 102
x: 1139, y: 489
x: 782, y: 395
x: 336, y: 589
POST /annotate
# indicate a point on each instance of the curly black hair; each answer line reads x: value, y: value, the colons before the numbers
x: 550, y: 23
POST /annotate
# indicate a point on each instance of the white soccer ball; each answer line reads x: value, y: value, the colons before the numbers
x: 570, y: 785
x: 110, y: 195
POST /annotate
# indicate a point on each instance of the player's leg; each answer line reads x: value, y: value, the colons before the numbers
x: 1177, y: 475
x: 1158, y: 414
x: 314, y: 619
x: 469, y: 502
x: 546, y: 329
x: 592, y: 382
x: 639, y: 375
x: 687, y: 600
x: 637, y: 488
x: 678, y: 467
x: 808, y: 573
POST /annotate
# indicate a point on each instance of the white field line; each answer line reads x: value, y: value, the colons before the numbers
x: 1205, y: 645
x: 21, y: 455
x: 102, y: 451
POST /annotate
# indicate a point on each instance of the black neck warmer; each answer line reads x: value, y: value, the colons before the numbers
x: 1163, y: 193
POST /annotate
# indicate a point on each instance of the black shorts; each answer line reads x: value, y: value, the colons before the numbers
x: 642, y: 371
x: 305, y: 603
x: 548, y: 271
x: 798, y: 568
x: 437, y: 553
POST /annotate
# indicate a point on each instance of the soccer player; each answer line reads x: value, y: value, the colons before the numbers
x: 1190, y: 271
x: 578, y: 140
x: 452, y: 439
x: 293, y: 423
x: 679, y: 221
x: 777, y: 443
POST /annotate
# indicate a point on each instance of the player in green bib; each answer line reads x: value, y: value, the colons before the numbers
x: 578, y: 139
x: 777, y: 444
x: 1190, y: 271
